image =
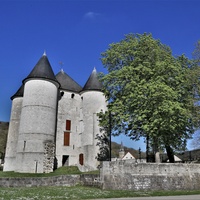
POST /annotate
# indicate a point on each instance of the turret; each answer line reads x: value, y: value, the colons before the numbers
x: 13, y: 131
x: 93, y: 101
x: 36, y: 141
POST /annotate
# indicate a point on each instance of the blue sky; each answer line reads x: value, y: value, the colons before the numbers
x: 76, y: 32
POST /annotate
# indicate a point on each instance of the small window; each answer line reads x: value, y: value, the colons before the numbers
x: 24, y: 145
x: 62, y: 93
x: 81, y: 159
x: 68, y: 125
x: 72, y: 96
x: 66, y: 138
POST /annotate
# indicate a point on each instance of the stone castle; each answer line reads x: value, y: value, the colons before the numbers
x: 53, y: 122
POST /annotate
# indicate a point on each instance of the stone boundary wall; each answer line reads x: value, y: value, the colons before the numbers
x: 129, y: 175
x: 64, y: 180
x: 91, y: 180
x: 123, y: 175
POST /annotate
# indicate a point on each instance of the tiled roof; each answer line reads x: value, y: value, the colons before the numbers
x: 42, y: 70
x: 93, y: 82
x: 67, y: 83
x: 19, y: 93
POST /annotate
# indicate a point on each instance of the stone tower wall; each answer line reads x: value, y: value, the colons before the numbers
x: 93, y: 102
x: 13, y: 133
x: 68, y: 109
x: 38, y: 120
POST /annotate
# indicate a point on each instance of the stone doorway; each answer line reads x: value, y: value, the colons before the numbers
x: 65, y: 160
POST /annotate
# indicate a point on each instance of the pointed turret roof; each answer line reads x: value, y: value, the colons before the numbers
x: 67, y: 83
x: 19, y: 93
x: 93, y: 82
x: 42, y: 70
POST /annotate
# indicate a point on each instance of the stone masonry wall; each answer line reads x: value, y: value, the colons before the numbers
x: 129, y: 175
x: 123, y: 175
x: 49, y: 155
x: 64, y: 180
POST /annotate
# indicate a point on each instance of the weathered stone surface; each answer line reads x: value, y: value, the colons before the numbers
x: 49, y: 155
x: 64, y: 180
x: 129, y: 175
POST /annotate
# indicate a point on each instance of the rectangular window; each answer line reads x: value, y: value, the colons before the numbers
x: 66, y: 138
x: 68, y: 125
x: 81, y: 159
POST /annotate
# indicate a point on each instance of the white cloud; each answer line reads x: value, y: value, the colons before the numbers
x: 91, y: 15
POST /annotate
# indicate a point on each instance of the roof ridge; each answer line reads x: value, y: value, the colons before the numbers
x: 67, y: 83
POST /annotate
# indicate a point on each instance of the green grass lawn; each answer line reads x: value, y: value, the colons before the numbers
x: 77, y: 192
x: 57, y: 172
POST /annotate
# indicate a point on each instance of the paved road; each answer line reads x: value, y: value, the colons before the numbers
x: 185, y: 197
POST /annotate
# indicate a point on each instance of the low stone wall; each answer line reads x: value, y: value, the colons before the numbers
x: 129, y: 175
x: 64, y: 180
x: 123, y: 175
x: 91, y: 180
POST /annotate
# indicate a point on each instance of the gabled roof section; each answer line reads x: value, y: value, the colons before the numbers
x: 42, y: 70
x: 127, y: 156
x: 93, y: 82
x: 19, y: 93
x: 67, y: 83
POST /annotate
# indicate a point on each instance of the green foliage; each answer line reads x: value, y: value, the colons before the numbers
x: 196, y: 53
x: 196, y: 60
x: 150, y: 92
x: 103, y: 144
x: 3, y: 137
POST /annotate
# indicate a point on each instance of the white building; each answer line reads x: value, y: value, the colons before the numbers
x: 53, y: 122
x: 128, y: 156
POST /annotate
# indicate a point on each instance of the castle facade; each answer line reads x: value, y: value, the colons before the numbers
x: 53, y: 122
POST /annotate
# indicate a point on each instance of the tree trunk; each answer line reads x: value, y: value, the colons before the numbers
x: 156, y: 151
x: 157, y: 157
x: 147, y: 149
x: 170, y: 153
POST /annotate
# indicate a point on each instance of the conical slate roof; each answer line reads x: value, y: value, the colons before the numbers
x: 19, y: 93
x: 93, y: 83
x: 67, y: 83
x: 42, y: 70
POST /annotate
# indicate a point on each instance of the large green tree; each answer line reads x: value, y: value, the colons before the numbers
x: 196, y: 72
x: 150, y: 92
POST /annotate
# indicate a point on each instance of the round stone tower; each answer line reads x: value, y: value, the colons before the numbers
x: 93, y: 101
x: 36, y: 142
x: 13, y: 131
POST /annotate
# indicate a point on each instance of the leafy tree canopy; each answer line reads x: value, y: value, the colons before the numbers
x: 150, y: 92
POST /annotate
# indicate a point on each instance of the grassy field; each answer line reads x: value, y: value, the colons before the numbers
x: 76, y: 193
x: 59, y: 171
